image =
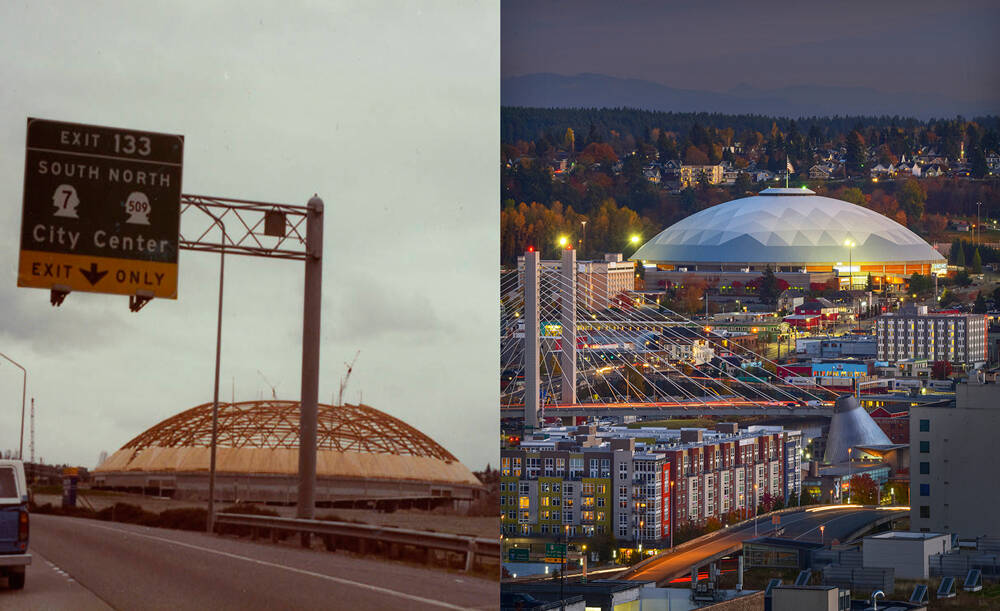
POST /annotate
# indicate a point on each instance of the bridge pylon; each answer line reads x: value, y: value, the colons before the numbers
x: 532, y: 344
x: 567, y: 354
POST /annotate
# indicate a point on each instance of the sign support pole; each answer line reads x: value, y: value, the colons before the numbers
x: 310, y: 362
x: 284, y: 224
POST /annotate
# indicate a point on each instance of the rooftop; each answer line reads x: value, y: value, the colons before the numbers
x: 663, y: 438
x: 907, y: 536
x: 787, y: 226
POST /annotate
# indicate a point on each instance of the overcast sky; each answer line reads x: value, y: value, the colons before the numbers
x: 387, y: 110
x: 918, y: 46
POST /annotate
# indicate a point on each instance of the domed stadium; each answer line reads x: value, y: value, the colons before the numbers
x: 364, y: 457
x: 798, y: 233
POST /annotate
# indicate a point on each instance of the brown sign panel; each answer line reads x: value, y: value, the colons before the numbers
x: 101, y: 209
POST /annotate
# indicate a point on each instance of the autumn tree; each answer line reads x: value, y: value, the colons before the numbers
x: 940, y: 370
x: 690, y: 295
x: 863, y: 490
x: 885, y: 155
x: 598, y: 152
x: 695, y: 156
x: 936, y: 225
x: 853, y: 195
x: 569, y: 140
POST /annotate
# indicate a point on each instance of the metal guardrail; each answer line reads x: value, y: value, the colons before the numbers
x: 461, y: 544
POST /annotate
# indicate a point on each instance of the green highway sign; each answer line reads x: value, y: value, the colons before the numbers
x: 101, y: 209
x: 516, y: 554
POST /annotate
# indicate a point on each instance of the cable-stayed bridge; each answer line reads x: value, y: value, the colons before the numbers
x: 573, y: 345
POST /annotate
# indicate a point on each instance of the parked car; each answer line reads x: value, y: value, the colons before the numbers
x: 519, y: 601
x: 14, y: 523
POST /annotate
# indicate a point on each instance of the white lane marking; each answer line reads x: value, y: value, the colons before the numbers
x: 60, y: 571
x: 289, y: 568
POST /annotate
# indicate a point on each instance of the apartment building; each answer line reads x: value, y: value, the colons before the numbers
x: 690, y: 174
x: 598, y: 283
x: 913, y: 333
x: 563, y: 489
x: 637, y: 484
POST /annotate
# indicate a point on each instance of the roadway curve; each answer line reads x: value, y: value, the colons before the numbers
x: 802, y: 525
x: 136, y: 567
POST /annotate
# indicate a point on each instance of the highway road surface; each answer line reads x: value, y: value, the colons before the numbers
x: 88, y: 564
x: 838, y: 522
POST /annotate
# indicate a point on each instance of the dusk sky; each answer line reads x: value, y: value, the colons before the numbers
x: 896, y: 47
x: 387, y: 110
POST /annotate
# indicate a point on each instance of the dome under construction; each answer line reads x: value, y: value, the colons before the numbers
x: 363, y: 455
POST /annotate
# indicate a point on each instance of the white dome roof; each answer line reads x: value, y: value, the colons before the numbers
x: 786, y: 226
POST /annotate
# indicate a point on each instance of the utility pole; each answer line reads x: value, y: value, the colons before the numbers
x: 755, y: 511
x: 24, y: 390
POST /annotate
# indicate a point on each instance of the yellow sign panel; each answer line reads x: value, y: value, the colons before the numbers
x: 45, y: 270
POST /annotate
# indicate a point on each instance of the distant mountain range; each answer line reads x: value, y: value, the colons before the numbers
x: 602, y: 91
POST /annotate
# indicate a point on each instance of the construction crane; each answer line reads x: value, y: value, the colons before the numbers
x: 274, y: 387
x: 347, y: 376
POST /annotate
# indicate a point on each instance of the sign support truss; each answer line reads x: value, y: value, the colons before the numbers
x: 275, y: 231
x: 258, y: 229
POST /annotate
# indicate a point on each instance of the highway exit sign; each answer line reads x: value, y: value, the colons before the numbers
x: 555, y: 552
x: 101, y: 209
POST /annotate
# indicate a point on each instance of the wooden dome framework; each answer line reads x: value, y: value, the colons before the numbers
x: 275, y: 424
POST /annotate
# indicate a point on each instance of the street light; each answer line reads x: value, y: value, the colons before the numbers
x: 850, y: 473
x: 822, y: 527
x: 563, y: 240
x: 979, y: 226
x: 562, y: 573
x: 210, y: 517
x: 583, y: 236
x: 24, y: 389
x: 671, y: 501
